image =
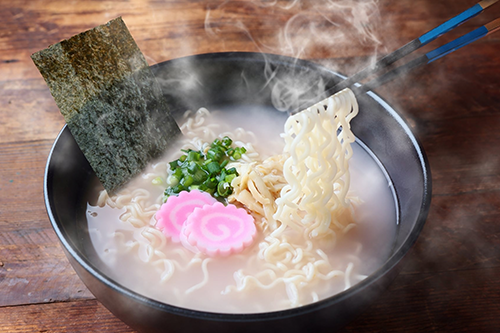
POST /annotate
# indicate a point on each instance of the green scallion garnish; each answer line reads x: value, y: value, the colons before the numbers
x: 205, y: 172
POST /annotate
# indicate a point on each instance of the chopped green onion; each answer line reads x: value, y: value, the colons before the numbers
x: 177, y: 173
x: 172, y: 180
x: 227, y: 142
x: 213, y: 168
x: 237, y: 153
x: 231, y: 171
x: 193, y: 167
x: 204, y: 172
x: 222, y: 175
x: 199, y: 176
x: 211, y: 183
x: 193, y: 156
x: 157, y: 181
x: 224, y: 189
x: 229, y: 178
x: 186, y: 181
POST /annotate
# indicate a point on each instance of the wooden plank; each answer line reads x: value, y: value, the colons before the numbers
x: 446, y: 301
x: 163, y: 36
x: 34, y: 268
x: 79, y: 316
x: 455, y: 301
x: 463, y: 159
x: 22, y: 169
x: 25, y: 105
x: 461, y: 233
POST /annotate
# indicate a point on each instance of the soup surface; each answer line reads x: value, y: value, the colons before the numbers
x: 140, y: 258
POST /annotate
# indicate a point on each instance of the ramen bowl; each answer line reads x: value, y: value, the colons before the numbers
x: 228, y: 79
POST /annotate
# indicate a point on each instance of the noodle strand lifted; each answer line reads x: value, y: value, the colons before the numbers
x: 317, y: 141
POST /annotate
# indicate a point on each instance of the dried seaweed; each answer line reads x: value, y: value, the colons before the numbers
x: 110, y: 100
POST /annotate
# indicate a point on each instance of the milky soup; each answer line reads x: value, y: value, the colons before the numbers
x: 283, y: 267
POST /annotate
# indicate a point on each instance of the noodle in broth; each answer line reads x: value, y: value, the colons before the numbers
x: 295, y: 259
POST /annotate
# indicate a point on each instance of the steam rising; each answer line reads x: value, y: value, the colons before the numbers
x: 326, y: 28
x: 303, y: 26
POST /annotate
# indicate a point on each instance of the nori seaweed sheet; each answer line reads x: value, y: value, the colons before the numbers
x: 110, y: 99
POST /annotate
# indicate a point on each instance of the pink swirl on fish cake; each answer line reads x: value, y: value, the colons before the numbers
x: 174, y: 213
x: 219, y: 230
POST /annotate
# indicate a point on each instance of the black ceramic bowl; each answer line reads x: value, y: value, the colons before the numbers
x: 224, y: 79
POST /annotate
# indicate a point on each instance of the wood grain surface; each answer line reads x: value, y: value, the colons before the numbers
x: 451, y: 278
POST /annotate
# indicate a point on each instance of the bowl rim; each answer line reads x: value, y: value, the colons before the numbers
x: 379, y: 273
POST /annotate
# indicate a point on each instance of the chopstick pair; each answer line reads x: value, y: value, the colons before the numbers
x: 416, y: 44
x: 433, y: 55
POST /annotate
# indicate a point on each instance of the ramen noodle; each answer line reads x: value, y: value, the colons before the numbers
x: 316, y: 232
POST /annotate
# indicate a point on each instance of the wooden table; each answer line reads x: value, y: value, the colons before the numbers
x: 451, y: 279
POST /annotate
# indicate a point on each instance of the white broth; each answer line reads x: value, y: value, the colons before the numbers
x: 143, y: 260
